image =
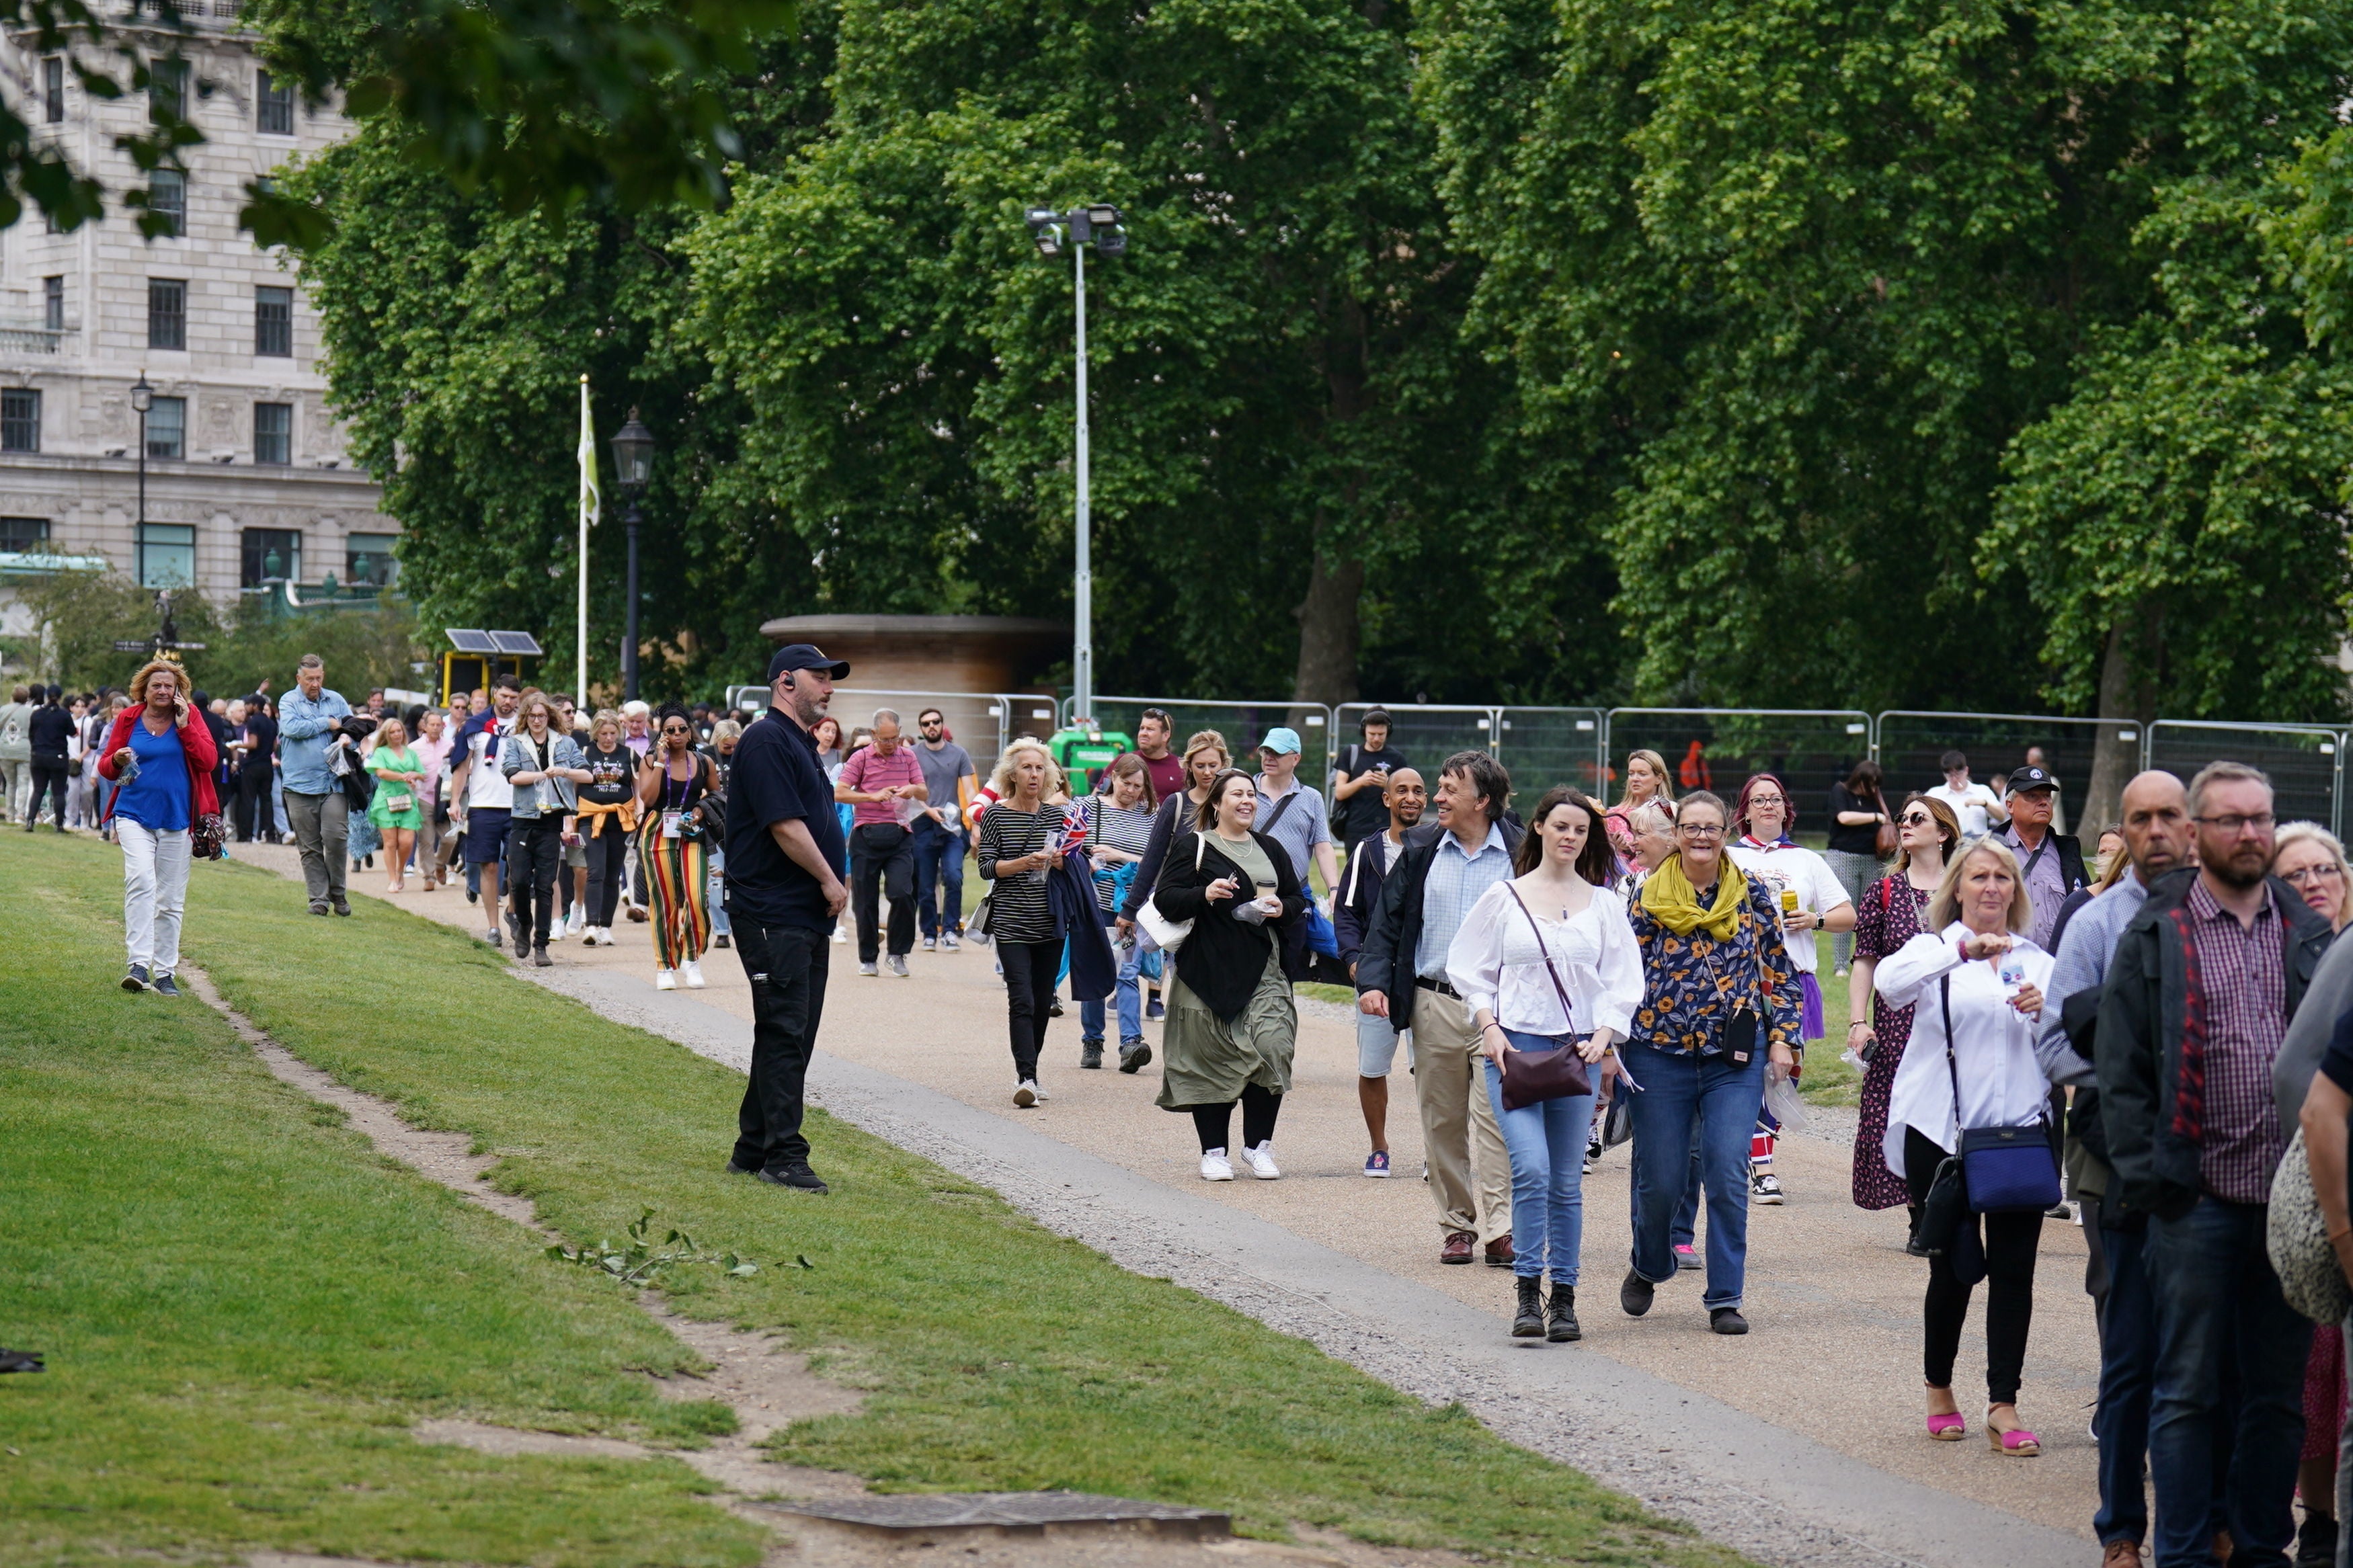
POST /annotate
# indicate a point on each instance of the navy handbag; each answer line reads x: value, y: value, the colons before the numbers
x: 2006, y: 1170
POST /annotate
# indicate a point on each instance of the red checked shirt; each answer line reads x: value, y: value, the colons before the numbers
x: 2243, y: 988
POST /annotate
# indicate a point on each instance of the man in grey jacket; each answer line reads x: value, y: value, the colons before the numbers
x: 15, y: 754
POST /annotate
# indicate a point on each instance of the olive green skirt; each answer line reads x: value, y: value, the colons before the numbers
x: 1204, y: 1060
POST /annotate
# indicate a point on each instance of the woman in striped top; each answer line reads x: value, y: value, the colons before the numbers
x: 1021, y: 840
x: 1119, y: 824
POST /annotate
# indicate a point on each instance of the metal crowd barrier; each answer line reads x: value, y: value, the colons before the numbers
x: 1243, y: 724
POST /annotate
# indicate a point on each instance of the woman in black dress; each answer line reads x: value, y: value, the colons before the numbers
x: 1889, y: 914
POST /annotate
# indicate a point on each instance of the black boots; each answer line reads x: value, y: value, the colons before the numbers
x: 2315, y: 1542
x: 1529, y: 1322
x: 1560, y: 1322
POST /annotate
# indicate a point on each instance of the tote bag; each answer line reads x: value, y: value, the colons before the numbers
x: 1166, y: 934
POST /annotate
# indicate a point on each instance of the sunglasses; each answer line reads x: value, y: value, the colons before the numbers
x: 673, y: 729
x: 1915, y: 820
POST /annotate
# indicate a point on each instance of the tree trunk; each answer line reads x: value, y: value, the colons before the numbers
x: 2127, y: 705
x: 1329, y: 632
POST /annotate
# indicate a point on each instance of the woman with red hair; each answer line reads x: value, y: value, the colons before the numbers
x: 162, y: 765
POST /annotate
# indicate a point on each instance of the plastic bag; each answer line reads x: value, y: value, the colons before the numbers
x: 1782, y: 1098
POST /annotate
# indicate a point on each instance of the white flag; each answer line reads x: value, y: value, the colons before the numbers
x: 592, y: 502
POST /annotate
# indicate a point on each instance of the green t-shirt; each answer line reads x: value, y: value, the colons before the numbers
x: 1250, y: 857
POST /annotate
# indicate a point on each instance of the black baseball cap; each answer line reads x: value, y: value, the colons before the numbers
x: 2031, y: 777
x: 804, y: 656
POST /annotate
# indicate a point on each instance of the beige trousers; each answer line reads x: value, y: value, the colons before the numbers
x: 1468, y: 1163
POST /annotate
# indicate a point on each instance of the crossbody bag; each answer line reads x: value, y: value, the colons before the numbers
x: 1531, y: 1077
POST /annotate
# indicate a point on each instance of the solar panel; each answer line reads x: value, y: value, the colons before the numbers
x: 466, y: 641
x: 516, y: 642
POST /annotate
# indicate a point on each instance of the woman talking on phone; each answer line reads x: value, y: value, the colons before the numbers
x: 674, y: 849
x: 1547, y: 962
x: 1976, y: 984
x: 1232, y: 1025
x: 162, y: 766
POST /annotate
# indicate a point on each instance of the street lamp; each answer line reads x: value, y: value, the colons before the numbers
x: 1097, y: 223
x: 633, y: 461
x: 142, y: 398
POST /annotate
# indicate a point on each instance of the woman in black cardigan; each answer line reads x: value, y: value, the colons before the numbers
x: 1231, y: 1024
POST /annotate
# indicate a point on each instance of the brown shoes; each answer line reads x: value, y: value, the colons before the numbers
x: 1499, y: 1252
x: 2121, y: 1554
x: 1457, y: 1248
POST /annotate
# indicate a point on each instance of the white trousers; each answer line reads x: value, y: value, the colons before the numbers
x: 155, y: 893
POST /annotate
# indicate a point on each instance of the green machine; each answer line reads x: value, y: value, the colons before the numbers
x: 1088, y: 749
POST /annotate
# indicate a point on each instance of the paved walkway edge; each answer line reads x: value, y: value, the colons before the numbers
x: 1764, y: 1490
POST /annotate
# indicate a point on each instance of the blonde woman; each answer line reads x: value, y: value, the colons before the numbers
x: 399, y: 808
x: 1021, y: 840
x: 607, y: 819
x: 1976, y: 982
x: 543, y: 766
x: 161, y: 768
x: 2311, y: 859
x: 1647, y: 780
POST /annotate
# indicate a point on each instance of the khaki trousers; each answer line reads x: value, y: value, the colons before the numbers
x: 1468, y: 1163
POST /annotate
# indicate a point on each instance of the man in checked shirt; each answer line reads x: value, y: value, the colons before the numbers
x: 2205, y: 980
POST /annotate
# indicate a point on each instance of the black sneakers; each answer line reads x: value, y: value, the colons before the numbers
x: 799, y: 1178
x: 1635, y: 1294
x: 137, y: 979
x: 164, y: 988
x: 1728, y: 1321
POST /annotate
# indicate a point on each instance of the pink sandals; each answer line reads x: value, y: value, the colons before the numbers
x: 1949, y: 1428
x: 2017, y: 1443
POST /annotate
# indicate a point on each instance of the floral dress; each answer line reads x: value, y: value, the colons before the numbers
x: 1888, y: 917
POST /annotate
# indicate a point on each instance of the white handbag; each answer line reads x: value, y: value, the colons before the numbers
x: 1164, y: 934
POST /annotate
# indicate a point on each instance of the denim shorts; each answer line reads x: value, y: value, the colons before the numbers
x: 1376, y: 1044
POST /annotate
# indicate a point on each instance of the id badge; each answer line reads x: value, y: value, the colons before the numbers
x: 670, y: 821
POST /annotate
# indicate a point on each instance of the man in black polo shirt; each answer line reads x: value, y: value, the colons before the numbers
x: 784, y: 894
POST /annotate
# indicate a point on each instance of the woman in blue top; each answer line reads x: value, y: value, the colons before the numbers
x: 162, y: 765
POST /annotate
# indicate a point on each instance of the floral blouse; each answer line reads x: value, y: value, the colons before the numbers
x: 1690, y: 985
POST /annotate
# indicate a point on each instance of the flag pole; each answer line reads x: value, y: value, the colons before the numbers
x: 587, y: 512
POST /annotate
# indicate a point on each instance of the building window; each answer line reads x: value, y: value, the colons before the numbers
x: 53, y: 90
x: 53, y: 304
x: 167, y: 312
x: 271, y: 552
x: 277, y: 101
x: 273, y: 432
x: 167, y: 427
x: 167, y: 198
x: 273, y: 321
x: 167, y: 90
x: 20, y: 420
x: 24, y: 535
x: 167, y: 554
x: 367, y: 558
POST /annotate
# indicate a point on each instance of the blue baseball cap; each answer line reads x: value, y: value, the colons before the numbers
x: 1282, y: 741
x: 802, y: 656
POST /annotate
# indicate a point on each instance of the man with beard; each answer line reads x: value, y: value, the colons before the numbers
x: 2205, y: 981
x: 1369, y: 859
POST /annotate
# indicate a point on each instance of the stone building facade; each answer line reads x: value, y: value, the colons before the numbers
x: 243, y: 461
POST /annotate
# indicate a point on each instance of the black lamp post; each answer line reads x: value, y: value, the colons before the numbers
x: 633, y: 462
x: 142, y: 398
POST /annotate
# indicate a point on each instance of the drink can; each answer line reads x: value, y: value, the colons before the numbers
x: 1789, y: 900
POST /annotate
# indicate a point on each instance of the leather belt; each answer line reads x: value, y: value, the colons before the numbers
x: 1443, y: 989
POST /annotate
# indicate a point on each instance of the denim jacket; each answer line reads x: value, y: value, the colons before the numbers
x: 549, y: 796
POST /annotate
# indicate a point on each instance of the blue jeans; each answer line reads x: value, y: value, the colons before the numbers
x: 715, y: 887
x: 1128, y: 995
x: 939, y: 879
x: 2223, y: 1326
x: 2127, y: 1356
x: 1679, y: 1093
x: 1547, y: 1142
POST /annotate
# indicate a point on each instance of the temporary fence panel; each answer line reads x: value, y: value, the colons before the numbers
x: 1717, y: 747
x: 2305, y: 761
x: 980, y: 721
x: 1541, y: 747
x: 1427, y: 732
x: 1911, y: 745
x: 1243, y: 724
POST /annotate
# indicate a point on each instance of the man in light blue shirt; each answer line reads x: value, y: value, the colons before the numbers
x: 310, y: 728
x: 2157, y: 839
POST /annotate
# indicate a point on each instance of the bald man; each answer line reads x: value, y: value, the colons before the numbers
x: 2159, y: 838
x: 1405, y: 798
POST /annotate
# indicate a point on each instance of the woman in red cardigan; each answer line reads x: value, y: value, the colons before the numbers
x: 163, y: 765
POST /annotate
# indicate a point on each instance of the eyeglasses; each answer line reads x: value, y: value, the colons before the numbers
x: 2230, y: 824
x: 1700, y: 830
x: 1915, y: 820
x: 1757, y: 800
x: 2309, y: 874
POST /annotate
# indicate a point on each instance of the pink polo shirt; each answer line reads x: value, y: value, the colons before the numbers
x: 869, y: 770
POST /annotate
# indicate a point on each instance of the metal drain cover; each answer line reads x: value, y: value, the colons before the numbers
x: 1024, y: 1512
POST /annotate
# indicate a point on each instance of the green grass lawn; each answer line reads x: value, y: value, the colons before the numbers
x: 307, y: 1325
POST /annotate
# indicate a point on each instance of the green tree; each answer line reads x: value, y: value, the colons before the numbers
x: 1785, y: 282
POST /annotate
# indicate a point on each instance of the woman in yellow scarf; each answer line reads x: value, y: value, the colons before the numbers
x: 1719, y: 1002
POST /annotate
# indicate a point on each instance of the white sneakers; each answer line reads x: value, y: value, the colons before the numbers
x: 1262, y: 1162
x: 1214, y: 1166
x: 579, y: 920
x: 898, y: 966
x: 665, y: 980
x: 950, y: 942
x: 692, y: 970
x: 841, y: 933
x: 1026, y: 1095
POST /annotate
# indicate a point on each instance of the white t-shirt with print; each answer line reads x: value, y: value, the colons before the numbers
x: 486, y: 786
x: 1779, y: 865
x: 1968, y: 805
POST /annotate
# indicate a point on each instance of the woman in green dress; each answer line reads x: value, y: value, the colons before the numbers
x: 1232, y: 1024
x: 396, y: 810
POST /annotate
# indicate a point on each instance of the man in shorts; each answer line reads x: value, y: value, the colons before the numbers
x: 481, y: 802
x: 1369, y: 859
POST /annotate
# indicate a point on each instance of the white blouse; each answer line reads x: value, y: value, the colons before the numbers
x: 2002, y: 1085
x: 1495, y: 963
